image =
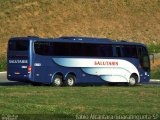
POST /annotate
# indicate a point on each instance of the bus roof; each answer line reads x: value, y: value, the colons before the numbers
x: 79, y: 40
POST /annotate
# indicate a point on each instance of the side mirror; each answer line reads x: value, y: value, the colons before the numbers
x: 151, y: 57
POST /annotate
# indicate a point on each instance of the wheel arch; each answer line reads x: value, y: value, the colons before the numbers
x: 70, y: 73
x: 135, y: 74
x: 57, y: 73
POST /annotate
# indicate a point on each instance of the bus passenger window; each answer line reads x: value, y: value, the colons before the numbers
x: 118, y: 51
x: 129, y: 51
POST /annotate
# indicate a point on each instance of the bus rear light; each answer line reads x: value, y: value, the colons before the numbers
x: 29, y: 69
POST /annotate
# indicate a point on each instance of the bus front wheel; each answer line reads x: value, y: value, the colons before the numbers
x: 70, y: 80
x: 133, y: 80
x: 57, y: 81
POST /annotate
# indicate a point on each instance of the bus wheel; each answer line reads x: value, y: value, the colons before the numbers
x: 70, y: 80
x: 133, y: 80
x: 57, y: 81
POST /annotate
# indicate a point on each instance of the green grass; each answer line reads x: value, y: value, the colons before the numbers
x: 3, y: 63
x: 69, y: 102
x: 154, y: 48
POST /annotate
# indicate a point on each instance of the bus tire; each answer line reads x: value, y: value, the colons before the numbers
x: 57, y: 81
x: 70, y: 80
x: 133, y: 80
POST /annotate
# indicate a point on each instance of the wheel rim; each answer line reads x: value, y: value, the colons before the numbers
x: 57, y: 81
x: 132, y: 81
x: 70, y: 81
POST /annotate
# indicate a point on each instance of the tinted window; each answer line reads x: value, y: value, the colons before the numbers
x: 143, y: 57
x: 141, y: 51
x: 130, y: 51
x: 118, y: 51
x: 73, y: 49
x: 146, y: 63
x: 18, y: 45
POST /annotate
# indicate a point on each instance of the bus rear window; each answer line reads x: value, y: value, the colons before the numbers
x: 18, y: 45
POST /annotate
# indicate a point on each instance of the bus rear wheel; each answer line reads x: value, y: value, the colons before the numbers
x: 57, y: 81
x: 133, y: 80
x: 70, y: 80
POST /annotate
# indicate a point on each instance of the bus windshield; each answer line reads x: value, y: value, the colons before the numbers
x: 143, y: 57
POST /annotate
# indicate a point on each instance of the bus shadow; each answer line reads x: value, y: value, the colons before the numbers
x: 107, y: 84
x: 78, y: 85
x: 13, y: 84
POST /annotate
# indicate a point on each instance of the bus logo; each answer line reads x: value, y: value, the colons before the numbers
x: 18, y: 61
x: 107, y: 63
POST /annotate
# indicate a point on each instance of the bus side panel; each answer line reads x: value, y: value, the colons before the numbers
x: 45, y: 74
x: 44, y: 69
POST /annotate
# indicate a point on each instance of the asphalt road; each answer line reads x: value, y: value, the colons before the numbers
x: 5, y: 82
